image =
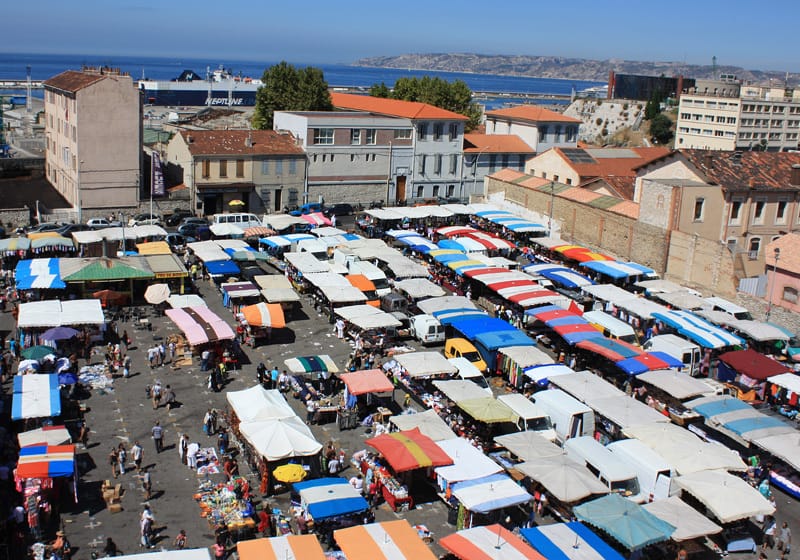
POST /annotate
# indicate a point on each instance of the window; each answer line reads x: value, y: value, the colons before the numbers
x: 437, y: 164
x: 265, y: 167
x: 422, y: 131
x: 402, y: 134
x: 555, y: 178
x: 371, y: 136
x: 435, y: 190
x: 223, y: 168
x: 278, y: 167
x: 323, y: 136
x: 780, y: 215
x: 492, y: 162
x: 332, y: 156
x: 736, y: 212
x: 558, y: 134
x: 240, y: 168
x: 292, y: 167
x: 789, y: 294
x: 438, y: 130
x: 420, y: 191
x: 569, y: 181
x: 521, y: 162
x: 542, y: 134
x: 758, y: 212
x: 571, y: 133
x: 755, y: 247
x: 206, y: 165
x: 451, y: 190
x: 314, y: 158
x: 422, y: 164
x: 699, y: 203
x: 505, y: 161
x: 453, y: 131
x: 453, y: 163
x: 355, y: 136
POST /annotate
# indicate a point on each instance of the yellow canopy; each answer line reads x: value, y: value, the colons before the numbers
x: 154, y: 248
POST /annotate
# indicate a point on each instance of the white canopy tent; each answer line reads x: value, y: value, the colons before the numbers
x: 221, y: 230
x: 425, y: 364
x: 276, y: 288
x: 526, y: 356
x: 257, y: 403
x: 208, y: 251
x: 187, y: 300
x: 306, y: 263
x: 487, y: 494
x: 688, y: 522
x: 55, y: 313
x: 418, y: 288
x: 727, y: 497
x: 320, y: 279
x: 528, y: 445
x: 563, y: 477
x: 342, y: 294
x: 625, y: 411
x: 433, y: 305
x: 428, y: 422
x: 585, y: 385
x: 785, y: 447
x: 280, y: 438
x: 459, y: 390
x: 469, y: 462
x: 403, y: 267
x: 679, y: 385
x: 280, y: 222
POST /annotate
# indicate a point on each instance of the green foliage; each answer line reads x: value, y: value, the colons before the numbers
x: 454, y: 96
x: 661, y: 129
x: 287, y: 88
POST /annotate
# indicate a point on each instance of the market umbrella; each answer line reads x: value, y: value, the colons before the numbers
x: 289, y: 473
x: 236, y: 202
x: 59, y: 333
x: 67, y: 378
x: 156, y: 293
x: 630, y: 524
x: 111, y: 297
x: 37, y: 352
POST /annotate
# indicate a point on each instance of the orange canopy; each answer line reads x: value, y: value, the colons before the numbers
x: 264, y: 315
x: 409, y: 450
x: 367, y: 381
x: 305, y: 547
x: 376, y: 541
x: 483, y: 543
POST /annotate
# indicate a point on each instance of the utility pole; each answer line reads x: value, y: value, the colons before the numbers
x: 774, y: 281
x: 552, y: 203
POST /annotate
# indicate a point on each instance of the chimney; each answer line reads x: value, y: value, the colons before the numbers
x: 249, y: 140
x: 708, y: 160
x: 795, y: 178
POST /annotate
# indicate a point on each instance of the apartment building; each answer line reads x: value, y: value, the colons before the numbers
x: 353, y: 156
x: 264, y: 169
x: 93, y: 138
x: 730, y: 116
x: 539, y: 128
x: 435, y: 168
x: 485, y: 154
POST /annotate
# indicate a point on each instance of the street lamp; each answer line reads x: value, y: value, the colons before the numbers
x: 78, y: 193
x: 475, y: 170
x: 774, y: 281
x: 552, y: 203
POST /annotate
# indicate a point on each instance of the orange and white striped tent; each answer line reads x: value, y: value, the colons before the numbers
x: 488, y: 543
x: 292, y: 547
x: 392, y: 540
x: 265, y: 315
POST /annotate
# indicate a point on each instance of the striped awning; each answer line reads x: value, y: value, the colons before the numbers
x: 409, y: 450
x: 292, y: 547
x: 390, y: 540
x: 43, y: 461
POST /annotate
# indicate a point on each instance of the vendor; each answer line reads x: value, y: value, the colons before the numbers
x: 231, y: 468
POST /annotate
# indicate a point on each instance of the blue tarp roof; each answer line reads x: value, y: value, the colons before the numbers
x: 552, y: 551
x: 231, y: 250
x: 448, y: 316
x: 27, y: 401
x: 483, y: 213
x: 698, y: 330
x: 632, y: 366
x: 721, y: 406
x: 222, y: 267
x: 542, y: 309
x: 568, y: 320
x: 450, y: 257
x: 471, y: 326
x: 335, y: 505
x: 618, y: 269
x: 492, y: 504
x: 573, y: 338
x: 565, y: 277
x: 502, y: 339
x: 38, y: 273
x: 744, y: 425
x: 664, y: 357
x: 628, y: 523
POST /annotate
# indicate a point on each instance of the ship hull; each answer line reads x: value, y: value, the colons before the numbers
x: 197, y: 94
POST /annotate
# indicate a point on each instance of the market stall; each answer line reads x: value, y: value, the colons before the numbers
x: 727, y: 497
x: 280, y: 438
x: 737, y: 419
x: 428, y: 422
x: 260, y: 319
x: 228, y: 504
x: 491, y: 542
x: 38, y: 274
x: 569, y: 541
x: 237, y: 294
x: 35, y: 396
x: 749, y: 371
x: 390, y: 540
x: 187, y: 300
x: 46, y: 435
x: 565, y: 481
x: 688, y: 522
x: 326, y: 498
x: 257, y: 403
x: 482, y: 501
x: 513, y: 361
x: 290, y: 547
x: 200, y: 325
x: 469, y: 463
x: 276, y: 288
x: 37, y: 316
x: 43, y: 475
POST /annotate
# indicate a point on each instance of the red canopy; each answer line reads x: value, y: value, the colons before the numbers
x: 555, y: 314
x: 605, y: 351
x: 409, y: 450
x: 653, y: 363
x: 488, y: 270
x: 752, y: 364
x: 497, y: 286
x: 367, y: 381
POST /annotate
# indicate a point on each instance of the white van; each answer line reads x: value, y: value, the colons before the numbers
x: 428, y: 330
x: 241, y: 220
x: 467, y: 371
x: 531, y: 417
x: 736, y: 311
x: 679, y: 348
x: 652, y: 470
x: 570, y: 417
x: 611, y: 327
x: 373, y: 273
x: 609, y: 468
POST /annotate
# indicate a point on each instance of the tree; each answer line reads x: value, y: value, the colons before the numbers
x: 286, y: 88
x: 380, y: 90
x: 661, y: 129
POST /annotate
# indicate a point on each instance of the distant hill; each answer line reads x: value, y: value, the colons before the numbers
x: 559, y: 67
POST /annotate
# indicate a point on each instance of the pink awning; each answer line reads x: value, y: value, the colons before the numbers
x: 200, y: 325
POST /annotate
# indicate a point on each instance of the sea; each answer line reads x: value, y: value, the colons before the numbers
x: 43, y: 66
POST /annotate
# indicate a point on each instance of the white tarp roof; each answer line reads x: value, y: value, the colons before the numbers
x: 526, y: 356
x: 432, y: 305
x: 350, y: 312
x: 186, y: 554
x: 281, y: 221
x: 528, y: 445
x: 660, y: 286
x: 280, y: 438
x: 186, y: 300
x: 757, y: 330
x: 327, y: 231
x: 367, y: 317
x: 226, y: 229
x: 55, y: 313
x: 679, y: 385
x: 233, y: 244
x: 118, y: 233
x: 403, y: 267
x: 417, y: 288
x: 455, y: 208
x: 789, y: 381
x: 342, y: 294
x: 688, y: 522
x: 306, y: 263
x: 469, y: 462
x: 429, y: 423
x: 383, y: 214
x: 585, y: 385
x: 625, y: 411
x: 608, y: 292
x: 521, y: 405
x: 424, y: 364
x: 208, y: 251
x: 641, y: 307
x: 785, y: 447
x: 312, y: 246
x: 684, y: 300
x: 563, y: 477
x: 727, y: 497
x: 276, y: 288
x: 257, y: 403
x: 548, y: 242
x: 686, y: 452
x: 248, y: 289
x: 459, y: 390
x: 484, y: 495
x: 320, y: 279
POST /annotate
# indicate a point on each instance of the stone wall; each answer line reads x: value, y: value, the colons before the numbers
x: 363, y: 193
x: 701, y: 264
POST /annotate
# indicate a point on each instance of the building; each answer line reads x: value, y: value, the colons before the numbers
x: 783, y: 272
x: 264, y: 169
x: 93, y: 139
x: 644, y: 88
x: 353, y: 156
x: 738, y: 200
x: 609, y: 171
x: 729, y: 116
x: 539, y: 128
x: 437, y: 142
x: 487, y: 153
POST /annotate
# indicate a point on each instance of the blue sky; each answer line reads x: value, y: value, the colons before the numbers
x: 330, y: 32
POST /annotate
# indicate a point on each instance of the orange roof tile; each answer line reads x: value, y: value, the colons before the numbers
x: 531, y: 113
x: 745, y: 170
x: 789, y: 260
x: 392, y: 107
x: 72, y: 80
x: 580, y: 195
x: 626, y: 208
x: 235, y: 142
x: 496, y: 143
x: 507, y: 175
x: 534, y: 182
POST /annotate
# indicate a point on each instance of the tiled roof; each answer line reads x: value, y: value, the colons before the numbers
x: 534, y: 182
x: 789, y: 260
x: 72, y: 80
x: 508, y: 175
x: 392, y: 107
x: 496, y: 143
x: 531, y: 113
x: 580, y: 195
x: 627, y: 208
x: 235, y: 142
x: 624, y: 186
x: 744, y: 170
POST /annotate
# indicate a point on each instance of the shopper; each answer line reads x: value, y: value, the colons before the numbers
x: 181, y: 540
x: 122, y: 457
x: 113, y: 460
x: 137, y: 453
x: 158, y: 436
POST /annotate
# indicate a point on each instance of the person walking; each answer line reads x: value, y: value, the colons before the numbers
x: 113, y: 460
x: 785, y: 540
x: 145, y: 532
x: 261, y: 375
x: 158, y: 436
x: 172, y: 347
x: 222, y: 442
x: 207, y: 424
x: 183, y: 444
x: 191, y: 454
x: 162, y: 354
x: 155, y: 393
x: 122, y: 457
x: 181, y: 540
x: 147, y: 484
x: 125, y: 341
x: 170, y: 400
x: 273, y: 375
x: 137, y: 454
x: 83, y: 436
x: 339, y: 328
x: 204, y: 357
x: 126, y: 366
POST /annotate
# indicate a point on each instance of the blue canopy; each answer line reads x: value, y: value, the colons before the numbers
x: 670, y: 360
x: 573, y: 338
x: 698, y: 330
x: 490, y: 493
x: 628, y: 523
x: 539, y: 539
x: 221, y: 267
x: 472, y: 326
x: 483, y: 213
x: 450, y: 257
x: 565, y: 277
x: 231, y: 250
x: 744, y: 425
x: 329, y: 497
x: 618, y: 269
x: 568, y: 320
x: 38, y: 273
x: 503, y: 339
x: 451, y: 244
x: 35, y: 396
x: 418, y: 243
x: 721, y: 406
x: 543, y: 309
x: 632, y: 366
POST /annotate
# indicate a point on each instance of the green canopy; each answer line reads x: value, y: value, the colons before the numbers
x: 52, y: 243
x: 15, y: 244
x: 250, y: 256
x: 488, y: 410
x: 105, y: 269
x: 37, y: 352
x: 628, y: 523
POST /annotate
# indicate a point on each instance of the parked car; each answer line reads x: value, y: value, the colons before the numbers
x: 177, y: 217
x: 66, y: 230
x: 193, y: 220
x: 192, y: 229
x: 341, y: 209
x: 101, y: 223
x: 249, y: 271
x: 308, y: 208
x: 44, y: 226
x: 176, y: 242
x: 145, y: 219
